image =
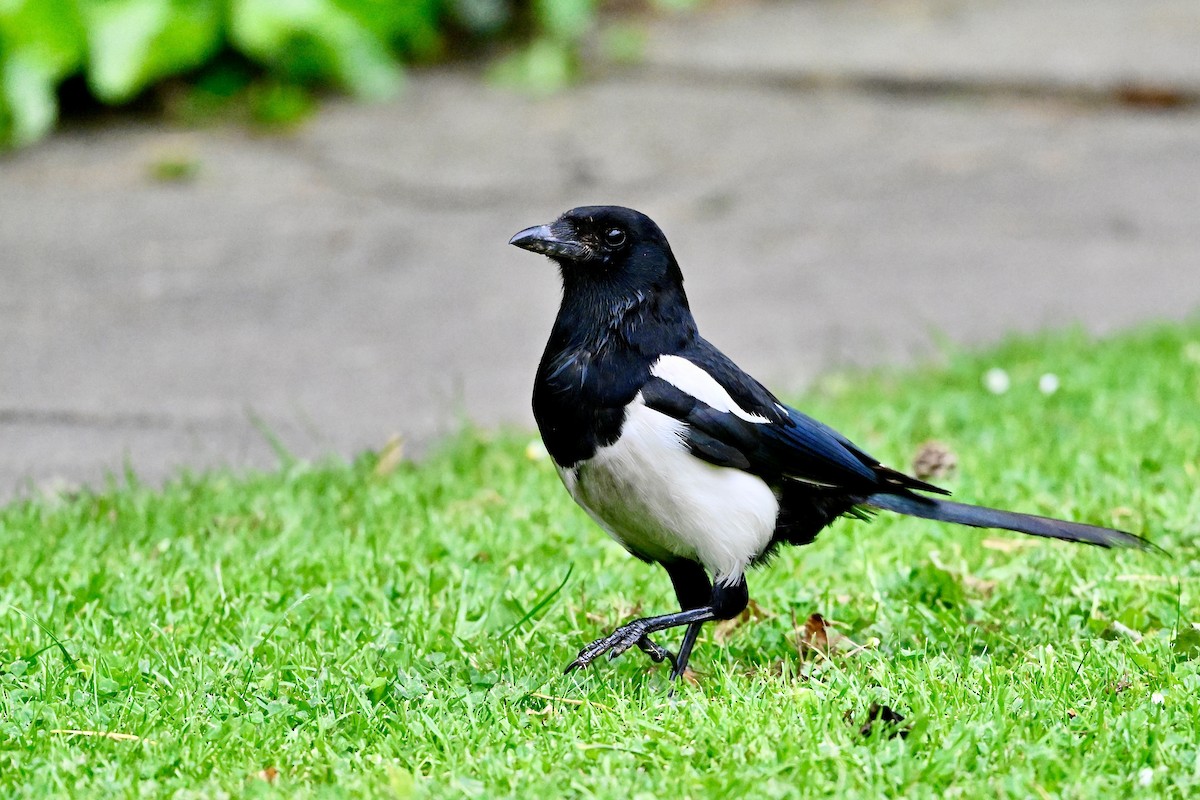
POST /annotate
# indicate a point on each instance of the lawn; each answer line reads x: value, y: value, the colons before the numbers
x: 385, y: 629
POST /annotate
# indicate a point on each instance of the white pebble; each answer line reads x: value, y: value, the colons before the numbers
x: 1146, y: 776
x: 996, y: 381
x: 1158, y: 698
x: 1048, y: 383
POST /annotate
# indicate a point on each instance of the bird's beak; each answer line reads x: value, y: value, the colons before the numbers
x: 546, y: 240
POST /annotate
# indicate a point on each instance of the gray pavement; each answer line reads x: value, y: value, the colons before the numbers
x: 1082, y: 48
x: 351, y: 282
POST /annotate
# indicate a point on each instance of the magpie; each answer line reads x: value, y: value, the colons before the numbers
x: 683, y: 458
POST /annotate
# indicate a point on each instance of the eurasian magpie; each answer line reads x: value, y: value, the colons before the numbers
x: 681, y: 456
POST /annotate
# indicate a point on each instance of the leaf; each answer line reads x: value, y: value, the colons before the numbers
x: 314, y: 40
x: 1009, y: 545
x: 132, y: 43
x: 934, y: 460
x: 279, y: 106
x: 410, y: 27
x: 481, y: 16
x: 1119, y: 685
x: 389, y: 457
x: 565, y: 20
x: 41, y: 42
x: 815, y: 635
x: 1187, y: 643
x: 270, y: 774
x: 27, y: 103
x: 818, y: 636
x: 545, y: 66
x: 49, y: 32
x: 624, y: 43
x: 174, y: 168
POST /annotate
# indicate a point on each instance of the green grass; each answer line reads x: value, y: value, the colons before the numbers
x: 349, y: 633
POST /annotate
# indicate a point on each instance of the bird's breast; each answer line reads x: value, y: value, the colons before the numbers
x: 662, y: 503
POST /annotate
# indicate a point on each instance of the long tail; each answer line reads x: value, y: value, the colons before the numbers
x: 980, y: 517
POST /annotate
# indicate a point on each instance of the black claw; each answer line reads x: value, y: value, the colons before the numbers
x: 617, y: 643
x: 656, y: 652
x: 582, y: 660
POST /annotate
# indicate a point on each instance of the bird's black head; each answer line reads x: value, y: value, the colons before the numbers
x: 620, y: 283
x: 616, y: 248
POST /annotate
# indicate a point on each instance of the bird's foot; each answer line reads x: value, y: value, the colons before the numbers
x: 620, y: 640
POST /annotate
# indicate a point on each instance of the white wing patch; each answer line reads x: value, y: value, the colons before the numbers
x: 687, y: 377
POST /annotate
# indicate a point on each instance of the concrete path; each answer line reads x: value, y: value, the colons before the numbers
x: 842, y: 184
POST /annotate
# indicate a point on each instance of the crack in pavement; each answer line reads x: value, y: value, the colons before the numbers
x: 1134, y: 93
x: 139, y: 420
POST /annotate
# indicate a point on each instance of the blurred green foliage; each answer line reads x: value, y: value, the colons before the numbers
x: 222, y: 48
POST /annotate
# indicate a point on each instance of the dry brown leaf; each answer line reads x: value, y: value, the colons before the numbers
x: 114, y: 735
x: 934, y: 461
x: 389, y: 457
x: 1008, y: 545
x: 724, y: 630
x: 776, y: 669
x: 622, y: 612
x: 1150, y: 578
x: 980, y: 585
x: 270, y: 775
x: 1150, y: 96
x: 817, y: 635
x: 571, y: 701
x: 1119, y: 627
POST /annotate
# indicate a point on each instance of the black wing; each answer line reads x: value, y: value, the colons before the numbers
x: 786, y: 445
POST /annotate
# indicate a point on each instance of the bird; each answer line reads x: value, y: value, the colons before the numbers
x: 682, y: 457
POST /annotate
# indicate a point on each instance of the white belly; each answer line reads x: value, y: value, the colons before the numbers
x: 661, y: 502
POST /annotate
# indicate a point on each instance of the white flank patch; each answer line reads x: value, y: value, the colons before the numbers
x: 687, y: 377
x: 657, y: 499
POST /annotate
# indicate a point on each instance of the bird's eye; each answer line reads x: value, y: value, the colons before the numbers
x: 614, y: 237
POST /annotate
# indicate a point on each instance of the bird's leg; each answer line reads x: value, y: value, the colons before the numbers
x: 727, y: 601
x: 693, y: 589
x: 685, y: 650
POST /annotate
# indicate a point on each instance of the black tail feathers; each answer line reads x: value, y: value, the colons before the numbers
x: 980, y: 517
